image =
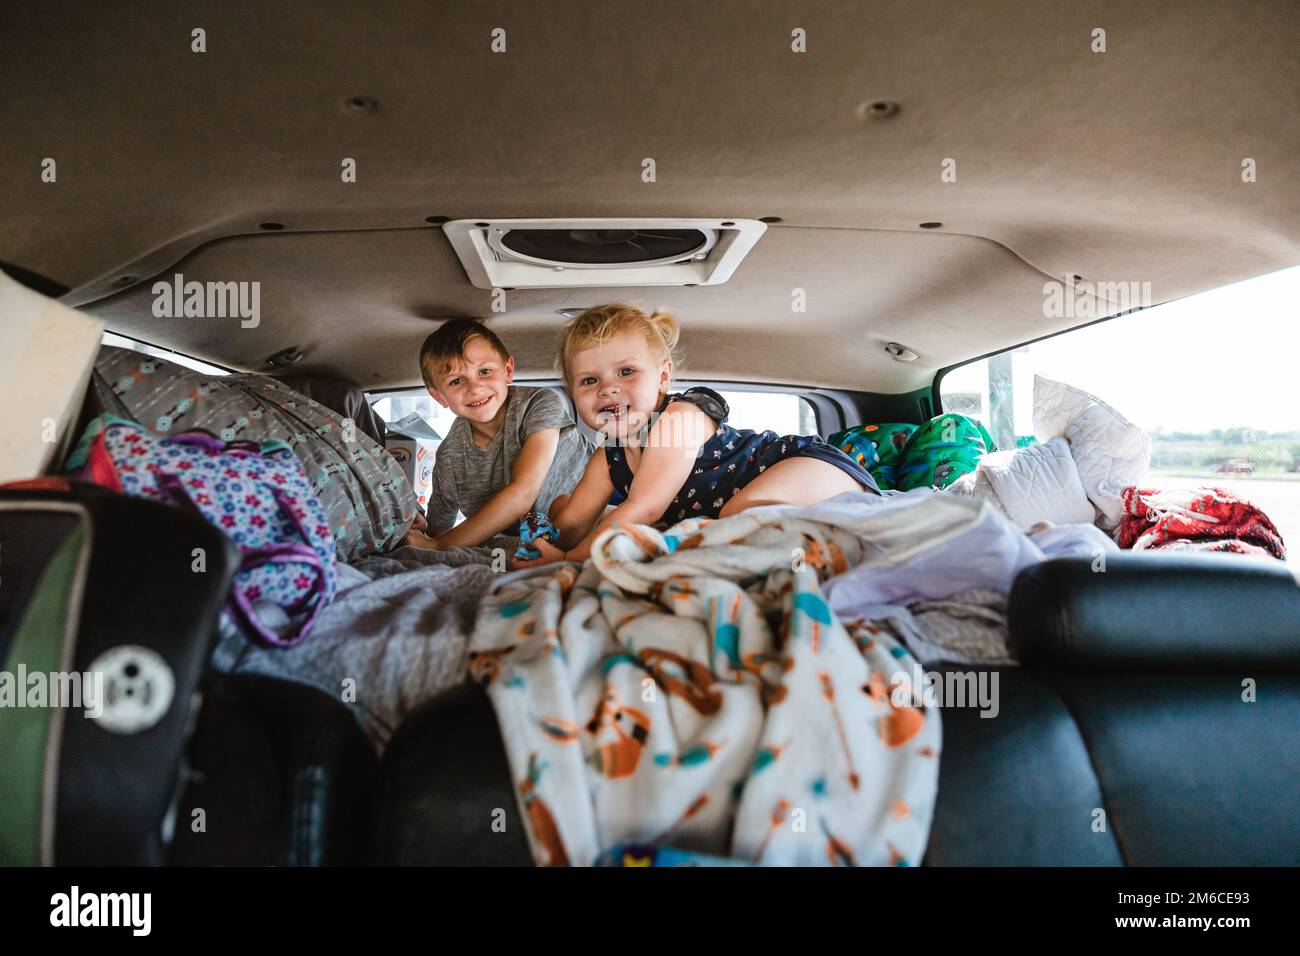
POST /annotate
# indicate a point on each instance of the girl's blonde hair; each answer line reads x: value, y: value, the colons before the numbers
x: 600, y: 323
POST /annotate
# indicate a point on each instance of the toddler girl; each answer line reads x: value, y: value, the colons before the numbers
x: 670, y: 456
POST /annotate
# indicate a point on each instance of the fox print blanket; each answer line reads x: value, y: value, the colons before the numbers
x: 693, y: 690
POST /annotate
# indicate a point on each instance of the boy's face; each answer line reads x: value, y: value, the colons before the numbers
x: 617, y: 385
x: 475, y: 385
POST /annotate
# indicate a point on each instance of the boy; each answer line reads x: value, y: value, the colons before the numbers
x: 512, y: 449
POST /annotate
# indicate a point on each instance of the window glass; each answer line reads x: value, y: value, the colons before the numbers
x: 392, y: 406
x: 782, y: 412
x: 1210, y: 377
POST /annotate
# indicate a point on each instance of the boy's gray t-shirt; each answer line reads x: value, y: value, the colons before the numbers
x: 465, y: 477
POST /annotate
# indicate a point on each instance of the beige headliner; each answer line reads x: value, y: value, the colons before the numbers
x: 1122, y: 166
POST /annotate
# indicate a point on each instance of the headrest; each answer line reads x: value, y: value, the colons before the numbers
x: 1157, y: 612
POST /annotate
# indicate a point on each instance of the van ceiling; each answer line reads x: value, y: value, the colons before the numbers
x: 1117, y: 166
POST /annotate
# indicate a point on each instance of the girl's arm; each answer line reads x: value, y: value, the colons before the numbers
x: 577, y: 516
x: 671, y: 454
x: 586, y: 504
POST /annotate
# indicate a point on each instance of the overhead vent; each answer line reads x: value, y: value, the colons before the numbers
x: 571, y: 253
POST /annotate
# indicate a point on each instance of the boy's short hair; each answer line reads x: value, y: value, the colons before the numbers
x: 447, y: 344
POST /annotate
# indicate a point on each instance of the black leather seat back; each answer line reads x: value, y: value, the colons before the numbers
x: 1193, y: 774
x: 281, y: 775
x: 445, y: 793
x: 1182, y: 675
x: 1018, y: 788
x: 1158, y: 613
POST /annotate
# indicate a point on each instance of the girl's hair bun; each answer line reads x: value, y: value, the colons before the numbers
x: 666, y: 327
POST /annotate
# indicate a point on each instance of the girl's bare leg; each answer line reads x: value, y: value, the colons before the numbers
x: 794, y: 481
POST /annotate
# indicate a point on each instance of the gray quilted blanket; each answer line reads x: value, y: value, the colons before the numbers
x: 394, y: 637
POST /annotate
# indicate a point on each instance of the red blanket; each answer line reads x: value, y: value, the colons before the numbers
x: 1196, y: 519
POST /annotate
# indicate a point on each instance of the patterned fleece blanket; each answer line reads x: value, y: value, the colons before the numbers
x: 1196, y: 519
x: 693, y: 690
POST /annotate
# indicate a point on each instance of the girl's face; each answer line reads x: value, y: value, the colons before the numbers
x: 616, y: 386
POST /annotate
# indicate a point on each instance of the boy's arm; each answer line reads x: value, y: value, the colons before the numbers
x: 440, y: 514
x: 513, y: 501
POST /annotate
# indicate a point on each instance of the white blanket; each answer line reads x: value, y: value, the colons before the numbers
x: 694, y: 690
x: 969, y: 568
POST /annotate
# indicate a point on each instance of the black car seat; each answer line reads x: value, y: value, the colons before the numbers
x: 1130, y: 734
x: 96, y: 582
x: 281, y: 773
x: 445, y: 796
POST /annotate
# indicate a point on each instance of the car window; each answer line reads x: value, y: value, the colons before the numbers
x: 782, y: 412
x: 1210, y: 377
x: 393, y: 406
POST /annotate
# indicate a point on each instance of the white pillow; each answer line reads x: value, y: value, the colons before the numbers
x: 975, y: 484
x: 1109, y: 451
x: 1038, y: 483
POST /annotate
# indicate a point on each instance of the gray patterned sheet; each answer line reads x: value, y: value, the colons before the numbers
x: 397, y: 631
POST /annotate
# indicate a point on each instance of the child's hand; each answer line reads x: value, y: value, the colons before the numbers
x: 550, y: 554
x: 418, y: 539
